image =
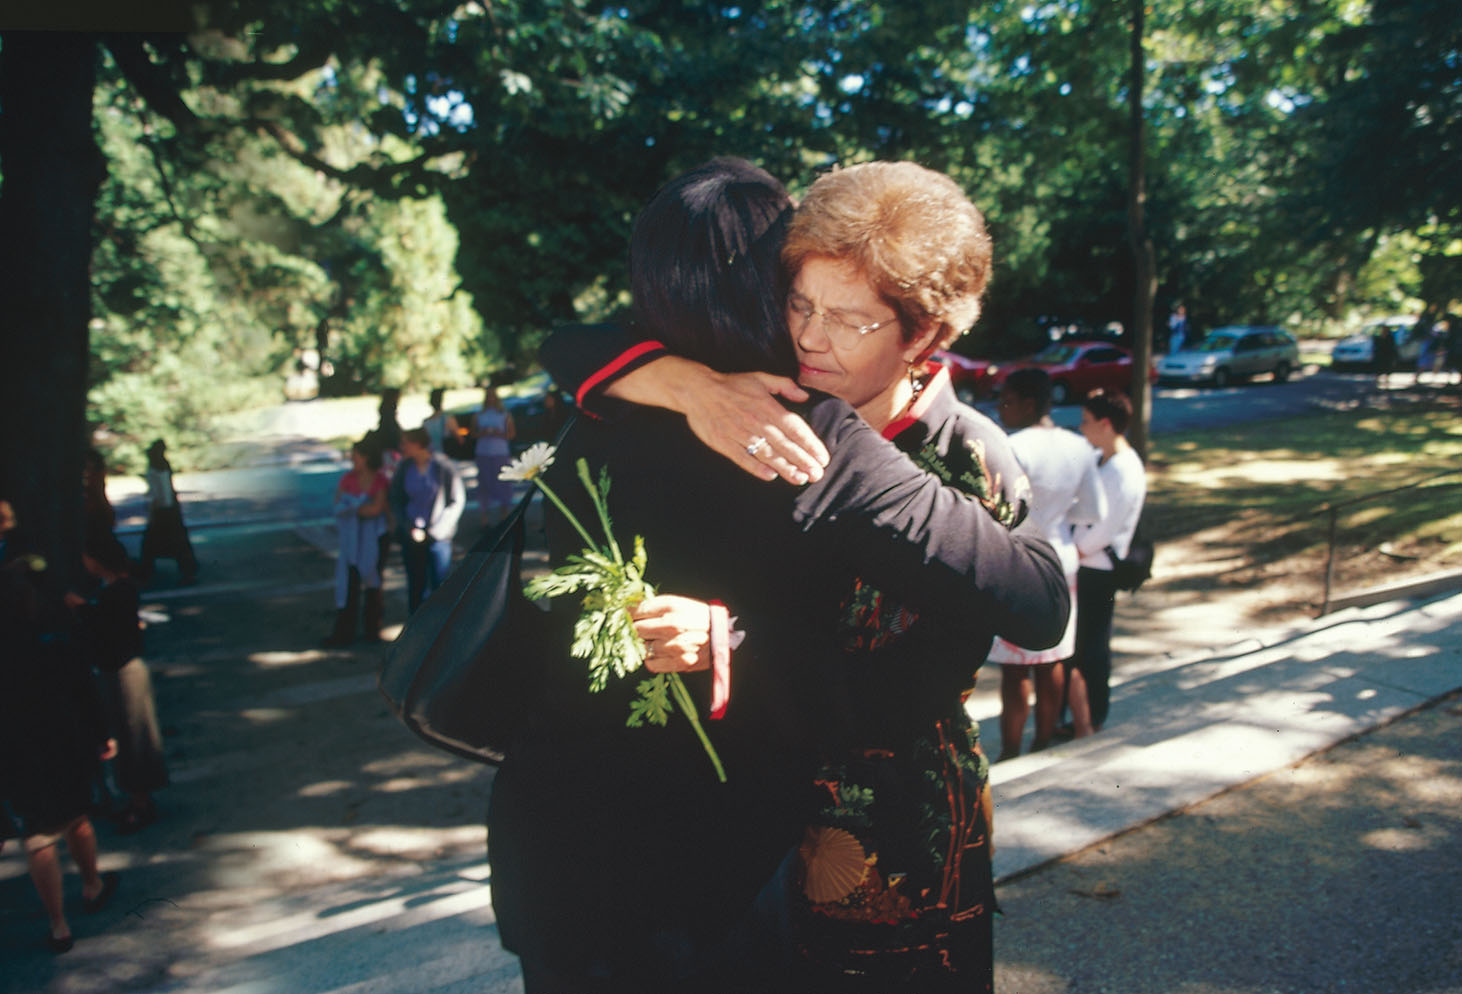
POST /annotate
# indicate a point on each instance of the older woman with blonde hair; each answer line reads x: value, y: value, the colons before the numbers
x: 886, y: 262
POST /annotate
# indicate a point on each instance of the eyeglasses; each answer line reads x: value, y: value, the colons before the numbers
x: 843, y: 335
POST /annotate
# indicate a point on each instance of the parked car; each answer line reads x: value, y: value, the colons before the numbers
x: 1231, y: 353
x: 969, y: 377
x: 1076, y: 369
x: 1359, y: 350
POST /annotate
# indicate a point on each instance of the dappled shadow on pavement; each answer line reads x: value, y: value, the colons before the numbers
x: 307, y: 840
x: 1334, y: 875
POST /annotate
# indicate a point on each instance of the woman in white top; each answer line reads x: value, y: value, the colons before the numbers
x: 1066, y: 492
x: 493, y: 429
x: 1104, y: 420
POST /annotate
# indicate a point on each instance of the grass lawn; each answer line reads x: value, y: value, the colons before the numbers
x: 1251, y: 498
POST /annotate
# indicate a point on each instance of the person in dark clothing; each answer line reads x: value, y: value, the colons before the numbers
x: 1384, y: 353
x: 52, y: 736
x: 112, y: 639
x: 97, y: 506
x: 666, y: 899
x: 166, y: 536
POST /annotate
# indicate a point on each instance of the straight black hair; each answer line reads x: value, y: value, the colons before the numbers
x: 1032, y: 384
x: 705, y: 268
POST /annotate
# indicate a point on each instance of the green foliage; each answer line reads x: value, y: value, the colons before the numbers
x: 423, y: 196
x: 217, y: 262
x: 604, y: 632
x: 652, y: 703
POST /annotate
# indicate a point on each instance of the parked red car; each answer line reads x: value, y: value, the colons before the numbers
x: 969, y: 377
x: 1076, y: 369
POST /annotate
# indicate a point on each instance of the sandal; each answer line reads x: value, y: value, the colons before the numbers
x: 61, y: 945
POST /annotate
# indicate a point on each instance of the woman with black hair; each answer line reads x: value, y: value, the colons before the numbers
x: 619, y: 863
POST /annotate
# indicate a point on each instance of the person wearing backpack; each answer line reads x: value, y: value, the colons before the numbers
x: 1104, y: 420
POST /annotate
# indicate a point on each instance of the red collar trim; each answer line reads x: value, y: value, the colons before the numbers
x: 938, y: 381
x: 614, y: 366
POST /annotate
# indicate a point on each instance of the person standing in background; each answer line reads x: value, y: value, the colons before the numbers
x: 1178, y: 328
x: 492, y: 429
x: 360, y: 520
x: 439, y: 424
x: 166, y: 536
x: 426, y: 498
x: 1104, y: 420
x: 97, y: 507
x: 1067, y: 492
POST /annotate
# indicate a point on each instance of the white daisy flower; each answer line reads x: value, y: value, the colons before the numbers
x: 531, y: 464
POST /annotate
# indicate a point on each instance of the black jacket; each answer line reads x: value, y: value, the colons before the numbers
x: 603, y: 838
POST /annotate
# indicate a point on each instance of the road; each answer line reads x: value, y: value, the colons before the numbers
x: 293, y: 465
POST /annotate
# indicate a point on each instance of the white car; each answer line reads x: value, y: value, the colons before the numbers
x: 1234, y: 352
x: 1359, y: 350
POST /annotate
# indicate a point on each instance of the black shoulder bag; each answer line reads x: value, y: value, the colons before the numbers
x: 465, y: 671
x: 1132, y: 572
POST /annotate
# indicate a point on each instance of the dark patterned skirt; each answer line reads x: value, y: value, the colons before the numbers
x: 893, y: 890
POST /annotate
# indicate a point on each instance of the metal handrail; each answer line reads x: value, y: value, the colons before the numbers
x: 1332, y: 511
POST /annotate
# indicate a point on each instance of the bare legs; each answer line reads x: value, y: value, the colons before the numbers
x: 1079, y: 703
x: 45, y: 873
x: 1016, y: 683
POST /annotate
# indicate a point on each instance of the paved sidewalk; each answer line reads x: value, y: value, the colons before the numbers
x: 1185, y: 728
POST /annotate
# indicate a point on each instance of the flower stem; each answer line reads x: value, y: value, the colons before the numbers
x: 598, y: 500
x: 683, y: 698
x: 548, y: 492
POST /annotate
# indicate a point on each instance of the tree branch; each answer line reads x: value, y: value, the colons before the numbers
x: 383, y: 180
x: 306, y: 59
x: 151, y: 81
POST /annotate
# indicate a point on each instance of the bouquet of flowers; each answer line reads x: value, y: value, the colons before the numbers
x: 611, y: 585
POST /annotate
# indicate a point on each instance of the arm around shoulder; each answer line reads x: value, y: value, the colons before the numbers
x: 925, y: 541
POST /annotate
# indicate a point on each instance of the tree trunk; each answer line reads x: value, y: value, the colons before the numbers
x: 52, y: 169
x: 1143, y: 256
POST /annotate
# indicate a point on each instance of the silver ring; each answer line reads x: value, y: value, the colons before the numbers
x: 756, y: 442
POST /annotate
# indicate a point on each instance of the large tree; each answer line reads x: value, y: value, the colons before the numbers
x: 51, y: 173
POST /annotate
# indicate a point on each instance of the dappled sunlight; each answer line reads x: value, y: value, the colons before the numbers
x: 264, y: 716
x: 419, y: 843
x: 286, y: 859
x: 413, y: 761
x: 273, y: 659
x: 326, y: 788
x: 1404, y: 839
x: 255, y: 937
x: 1284, y: 470
x: 449, y: 775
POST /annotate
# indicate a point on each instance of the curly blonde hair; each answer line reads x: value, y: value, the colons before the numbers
x: 910, y: 231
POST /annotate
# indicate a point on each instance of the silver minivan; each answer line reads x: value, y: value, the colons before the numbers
x: 1233, y: 352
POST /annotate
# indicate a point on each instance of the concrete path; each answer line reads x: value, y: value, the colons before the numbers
x: 1184, y: 729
